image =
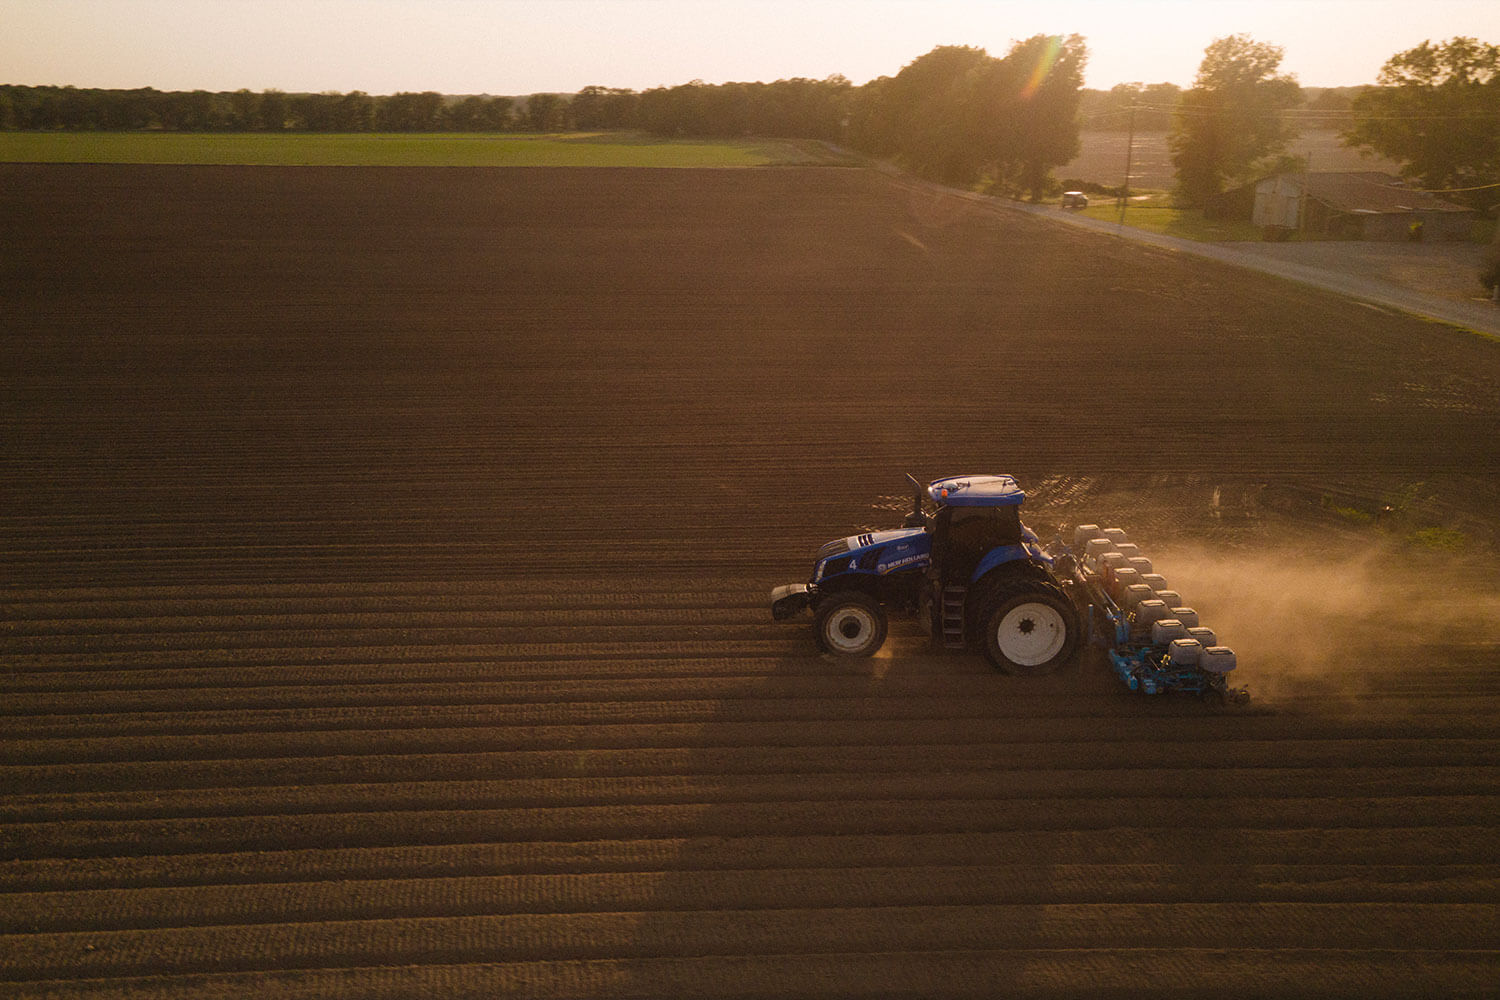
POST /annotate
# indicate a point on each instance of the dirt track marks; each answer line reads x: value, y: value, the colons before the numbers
x: 768, y: 811
x: 384, y: 561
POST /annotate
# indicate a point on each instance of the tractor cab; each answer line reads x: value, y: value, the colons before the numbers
x: 980, y: 549
x: 976, y: 515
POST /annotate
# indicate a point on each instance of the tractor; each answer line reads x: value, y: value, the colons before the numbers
x: 970, y: 571
x: 977, y: 578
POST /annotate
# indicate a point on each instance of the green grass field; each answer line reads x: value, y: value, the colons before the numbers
x: 583, y: 149
x: 1155, y: 213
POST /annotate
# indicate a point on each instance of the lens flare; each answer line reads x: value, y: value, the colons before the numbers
x: 1044, y: 63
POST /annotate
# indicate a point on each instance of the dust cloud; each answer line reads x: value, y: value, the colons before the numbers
x: 1335, y: 624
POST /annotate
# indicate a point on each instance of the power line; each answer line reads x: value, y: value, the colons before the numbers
x: 1302, y: 113
x: 1482, y: 187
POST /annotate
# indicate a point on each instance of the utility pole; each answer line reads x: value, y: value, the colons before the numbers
x: 1302, y: 201
x: 1129, y: 149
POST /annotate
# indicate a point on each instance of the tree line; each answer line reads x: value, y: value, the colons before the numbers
x: 792, y: 108
x: 1435, y: 109
x: 956, y: 114
x: 1149, y: 107
x: 81, y: 109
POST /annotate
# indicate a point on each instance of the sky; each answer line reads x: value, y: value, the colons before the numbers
x: 517, y: 47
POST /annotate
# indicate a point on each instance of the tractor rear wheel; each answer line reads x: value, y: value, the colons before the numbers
x: 850, y: 624
x: 1030, y: 627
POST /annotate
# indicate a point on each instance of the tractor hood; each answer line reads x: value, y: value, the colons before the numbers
x: 878, y: 552
x: 875, y: 539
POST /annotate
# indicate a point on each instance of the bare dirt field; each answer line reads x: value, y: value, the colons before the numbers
x: 383, y: 569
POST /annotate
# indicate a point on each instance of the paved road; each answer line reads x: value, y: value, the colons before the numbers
x: 1474, y: 314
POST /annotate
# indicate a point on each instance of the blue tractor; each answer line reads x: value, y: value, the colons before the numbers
x: 968, y: 569
x: 978, y: 578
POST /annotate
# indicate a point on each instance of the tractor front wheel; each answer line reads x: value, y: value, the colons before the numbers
x: 1029, y: 628
x: 850, y: 624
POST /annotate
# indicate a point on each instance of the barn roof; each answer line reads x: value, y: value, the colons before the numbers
x: 1369, y: 191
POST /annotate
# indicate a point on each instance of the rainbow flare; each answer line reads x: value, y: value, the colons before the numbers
x: 1043, y: 66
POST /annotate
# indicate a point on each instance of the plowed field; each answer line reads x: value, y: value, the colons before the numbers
x: 383, y: 570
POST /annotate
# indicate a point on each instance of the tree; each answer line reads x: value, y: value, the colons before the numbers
x: 597, y: 107
x: 545, y: 113
x: 799, y: 107
x: 1437, y: 110
x: 314, y: 112
x: 244, y: 110
x: 1331, y: 101
x: 355, y: 112
x: 1231, y: 123
x: 961, y: 116
x: 498, y: 115
x: 273, y: 110
x: 408, y: 112
x: 930, y: 111
x: 1143, y: 107
x: 196, y: 111
x: 727, y: 108
x: 480, y: 114
x: 1027, y: 111
x: 463, y: 115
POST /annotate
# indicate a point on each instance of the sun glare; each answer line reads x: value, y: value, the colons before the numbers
x: 1046, y: 59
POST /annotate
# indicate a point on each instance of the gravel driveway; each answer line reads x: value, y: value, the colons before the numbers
x: 1445, y: 270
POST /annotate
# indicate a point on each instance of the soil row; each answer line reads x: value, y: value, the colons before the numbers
x: 383, y: 565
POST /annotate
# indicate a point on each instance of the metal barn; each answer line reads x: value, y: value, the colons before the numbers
x: 1362, y: 205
